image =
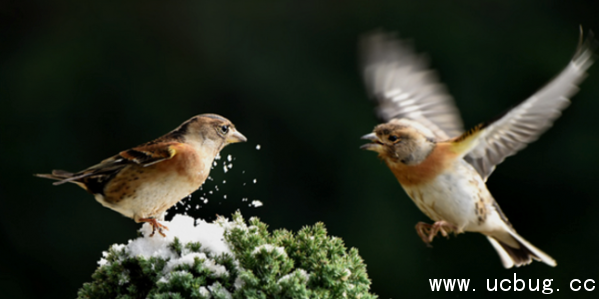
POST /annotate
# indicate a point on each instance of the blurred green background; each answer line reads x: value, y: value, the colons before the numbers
x: 80, y: 82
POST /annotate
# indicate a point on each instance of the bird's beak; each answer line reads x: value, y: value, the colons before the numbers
x: 236, y: 137
x: 376, y: 144
x: 372, y: 137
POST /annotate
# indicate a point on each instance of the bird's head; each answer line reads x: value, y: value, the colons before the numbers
x: 400, y: 141
x: 209, y: 131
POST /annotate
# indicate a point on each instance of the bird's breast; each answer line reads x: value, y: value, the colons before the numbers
x: 187, y: 165
x: 437, y: 162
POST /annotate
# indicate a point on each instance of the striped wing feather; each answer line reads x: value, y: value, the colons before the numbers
x: 402, y: 85
x: 527, y: 121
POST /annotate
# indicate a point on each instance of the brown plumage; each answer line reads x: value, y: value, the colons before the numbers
x: 143, y: 182
x: 442, y: 169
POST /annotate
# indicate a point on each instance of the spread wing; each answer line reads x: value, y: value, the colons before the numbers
x: 527, y: 121
x: 399, y: 81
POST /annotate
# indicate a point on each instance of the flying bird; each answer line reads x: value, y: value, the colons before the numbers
x: 442, y: 168
x: 143, y: 182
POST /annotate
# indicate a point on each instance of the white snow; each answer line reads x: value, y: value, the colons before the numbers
x: 115, y: 247
x: 218, y: 289
x: 204, y: 292
x: 124, y: 277
x: 210, y: 235
x: 270, y: 248
x: 301, y: 272
x: 166, y: 278
x: 186, y: 229
x: 346, y: 275
x: 239, y: 283
x: 187, y: 259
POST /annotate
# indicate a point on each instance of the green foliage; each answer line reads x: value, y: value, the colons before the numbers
x: 280, y: 264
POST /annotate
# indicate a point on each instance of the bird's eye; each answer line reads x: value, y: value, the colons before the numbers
x: 393, y: 138
x: 224, y: 129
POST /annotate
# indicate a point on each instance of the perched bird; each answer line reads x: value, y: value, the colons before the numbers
x: 442, y: 169
x: 143, y: 182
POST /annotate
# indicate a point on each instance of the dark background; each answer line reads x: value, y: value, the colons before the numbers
x: 80, y: 82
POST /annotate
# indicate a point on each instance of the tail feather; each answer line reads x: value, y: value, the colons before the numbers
x: 511, y: 256
x: 61, y: 176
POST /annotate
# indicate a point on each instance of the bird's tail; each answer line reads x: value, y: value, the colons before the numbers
x: 512, y: 256
x: 60, y: 175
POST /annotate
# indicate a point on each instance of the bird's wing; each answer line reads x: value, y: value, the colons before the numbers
x: 527, y: 121
x: 399, y: 81
x: 149, y: 154
x: 143, y: 155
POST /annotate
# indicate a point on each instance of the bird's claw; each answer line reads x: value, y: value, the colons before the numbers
x: 156, y: 226
x: 427, y: 232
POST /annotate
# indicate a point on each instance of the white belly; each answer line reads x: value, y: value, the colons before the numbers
x: 458, y: 196
x: 151, y: 200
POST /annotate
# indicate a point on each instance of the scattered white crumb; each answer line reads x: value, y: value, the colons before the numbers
x: 256, y: 203
x: 255, y: 181
x: 230, y: 165
x: 258, y: 147
x: 225, y: 169
x: 229, y: 158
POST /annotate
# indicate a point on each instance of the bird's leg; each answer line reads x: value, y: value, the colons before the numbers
x: 424, y: 229
x: 155, y: 225
x: 427, y: 232
x: 442, y: 226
